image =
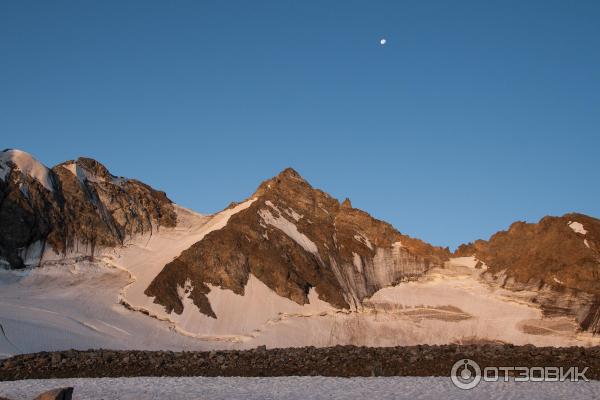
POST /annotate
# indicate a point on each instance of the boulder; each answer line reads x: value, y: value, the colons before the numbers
x: 57, y: 394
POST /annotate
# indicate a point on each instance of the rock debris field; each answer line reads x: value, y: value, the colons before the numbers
x: 338, y: 361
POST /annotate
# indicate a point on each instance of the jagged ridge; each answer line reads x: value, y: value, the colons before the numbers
x: 76, y: 205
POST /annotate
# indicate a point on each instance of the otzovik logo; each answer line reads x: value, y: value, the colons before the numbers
x: 466, y: 374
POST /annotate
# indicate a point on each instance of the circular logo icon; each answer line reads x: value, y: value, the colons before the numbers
x: 465, y: 374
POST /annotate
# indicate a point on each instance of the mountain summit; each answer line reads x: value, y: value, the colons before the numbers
x: 293, y: 237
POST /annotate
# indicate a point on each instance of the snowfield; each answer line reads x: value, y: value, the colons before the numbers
x: 300, y: 388
x: 78, y: 303
x: 146, y: 256
x: 577, y: 227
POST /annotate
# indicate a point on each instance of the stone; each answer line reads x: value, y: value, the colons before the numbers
x: 261, y: 349
x: 56, y: 358
x: 57, y: 394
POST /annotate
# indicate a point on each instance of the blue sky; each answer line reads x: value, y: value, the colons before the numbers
x: 473, y: 115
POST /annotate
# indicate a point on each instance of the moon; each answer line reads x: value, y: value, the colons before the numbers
x: 382, y: 42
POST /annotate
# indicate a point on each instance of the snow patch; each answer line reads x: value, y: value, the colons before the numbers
x: 357, y: 261
x: 84, y: 175
x: 577, y: 227
x: 289, y: 211
x: 185, y: 291
x: 362, y: 238
x: 289, y: 229
x: 27, y: 165
x: 24, y: 189
x: 81, y: 173
x: 292, y: 213
x: 586, y: 243
x: 32, y: 255
x: 558, y: 281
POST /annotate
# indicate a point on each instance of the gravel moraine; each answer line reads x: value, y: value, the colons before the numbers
x: 339, y: 361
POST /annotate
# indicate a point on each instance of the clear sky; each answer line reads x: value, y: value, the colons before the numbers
x: 474, y: 114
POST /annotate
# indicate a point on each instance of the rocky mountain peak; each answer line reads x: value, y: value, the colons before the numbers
x: 288, y: 180
x: 89, y: 170
x: 290, y: 191
x: 293, y: 238
x: 289, y: 173
x: 75, y: 206
x: 93, y: 166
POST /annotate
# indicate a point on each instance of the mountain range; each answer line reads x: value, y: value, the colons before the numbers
x: 92, y: 259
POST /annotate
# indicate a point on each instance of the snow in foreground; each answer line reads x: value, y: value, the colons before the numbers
x: 298, y: 388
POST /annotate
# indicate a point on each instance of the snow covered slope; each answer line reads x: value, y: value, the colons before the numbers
x: 145, y: 257
x: 24, y: 163
x: 110, y: 262
x: 77, y: 304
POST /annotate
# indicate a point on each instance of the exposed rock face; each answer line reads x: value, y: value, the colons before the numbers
x: 75, y: 206
x: 104, y: 209
x: 558, y: 257
x: 294, y: 238
x: 29, y: 204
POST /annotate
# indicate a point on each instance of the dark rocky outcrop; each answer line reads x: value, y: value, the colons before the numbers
x: 75, y: 206
x: 294, y: 238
